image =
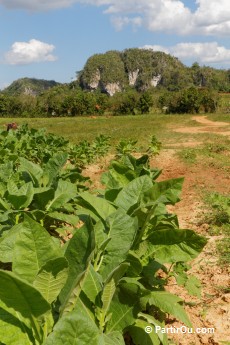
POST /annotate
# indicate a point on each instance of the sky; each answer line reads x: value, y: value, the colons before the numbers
x: 52, y: 39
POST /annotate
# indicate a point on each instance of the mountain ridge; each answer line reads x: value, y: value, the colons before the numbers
x: 141, y: 69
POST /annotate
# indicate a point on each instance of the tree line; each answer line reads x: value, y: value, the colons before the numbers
x: 66, y: 101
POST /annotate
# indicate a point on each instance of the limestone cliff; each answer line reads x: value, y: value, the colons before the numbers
x: 114, y: 71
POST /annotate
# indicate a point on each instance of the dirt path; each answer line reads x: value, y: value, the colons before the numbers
x: 212, y: 310
x: 208, y: 126
x: 205, y: 121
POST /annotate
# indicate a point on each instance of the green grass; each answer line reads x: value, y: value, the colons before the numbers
x: 140, y: 127
x: 214, y: 152
x: 116, y: 126
x: 217, y: 215
x: 188, y: 155
x: 224, y: 251
x: 220, y: 117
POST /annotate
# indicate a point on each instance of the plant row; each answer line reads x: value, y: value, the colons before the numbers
x: 108, y: 280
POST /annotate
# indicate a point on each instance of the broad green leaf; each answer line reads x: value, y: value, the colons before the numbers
x: 75, y: 328
x: 12, y: 188
x: 54, y: 165
x: 125, y: 170
x: 122, y: 231
x: 20, y: 198
x: 168, y: 303
x: 172, y: 245
x: 65, y: 192
x: 151, y: 321
x: 193, y: 285
x: 150, y: 270
x: 101, y: 236
x: 102, y: 207
x: 7, y: 243
x: 140, y: 336
x: 92, y: 285
x: 110, y: 286
x: 123, y: 309
x: 118, y: 176
x: 43, y: 195
x: 78, y: 254
x: 28, y: 190
x: 132, y: 192
x: 112, y: 194
x: 84, y: 212
x: 6, y: 169
x: 165, y: 192
x: 135, y: 266
x: 51, y: 278
x: 132, y: 286
x: 17, y: 201
x: 113, y: 338
x: 12, y: 330
x: 32, y: 172
x: 134, y: 163
x: 32, y: 249
x: 21, y: 296
x: 4, y: 216
x: 79, y: 328
x: 67, y: 218
x: 4, y: 205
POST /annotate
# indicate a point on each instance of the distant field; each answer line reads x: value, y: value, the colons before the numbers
x: 118, y: 127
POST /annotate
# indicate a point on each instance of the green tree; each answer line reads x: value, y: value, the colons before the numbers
x: 126, y: 103
x: 209, y: 101
x: 4, y: 105
x: 190, y: 100
x: 145, y: 102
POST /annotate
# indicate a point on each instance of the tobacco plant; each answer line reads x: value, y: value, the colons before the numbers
x: 108, y: 281
x: 46, y: 193
x: 39, y: 146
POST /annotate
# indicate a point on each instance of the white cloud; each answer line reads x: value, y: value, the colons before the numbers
x: 36, y: 5
x: 23, y: 53
x: 205, y: 53
x: 210, y: 17
x: 120, y: 22
x: 212, y: 12
x: 157, y: 48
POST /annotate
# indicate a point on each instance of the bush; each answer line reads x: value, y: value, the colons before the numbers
x: 189, y: 101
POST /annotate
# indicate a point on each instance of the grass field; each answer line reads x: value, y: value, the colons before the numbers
x: 119, y: 127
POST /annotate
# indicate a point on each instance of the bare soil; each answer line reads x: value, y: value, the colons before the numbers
x: 207, y: 126
x: 212, y: 310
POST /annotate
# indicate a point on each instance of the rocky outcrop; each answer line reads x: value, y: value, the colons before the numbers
x: 96, y: 83
x: 133, y: 77
x: 30, y: 91
x: 95, y: 80
x: 155, y: 80
x: 112, y: 88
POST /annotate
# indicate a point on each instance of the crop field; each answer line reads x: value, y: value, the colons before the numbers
x: 115, y: 230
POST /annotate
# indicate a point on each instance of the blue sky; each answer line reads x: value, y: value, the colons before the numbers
x: 53, y: 39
